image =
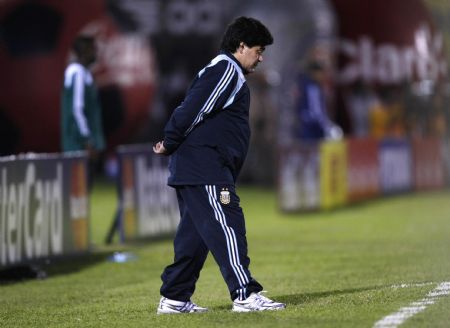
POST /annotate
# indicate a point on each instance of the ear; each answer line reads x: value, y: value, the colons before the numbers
x: 241, y: 47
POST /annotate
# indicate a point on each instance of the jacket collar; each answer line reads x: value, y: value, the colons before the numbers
x: 230, y: 55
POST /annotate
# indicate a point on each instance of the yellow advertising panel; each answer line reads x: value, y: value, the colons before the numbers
x: 333, y: 174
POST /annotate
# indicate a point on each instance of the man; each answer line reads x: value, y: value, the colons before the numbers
x: 208, y: 136
x: 81, y: 113
x: 313, y: 117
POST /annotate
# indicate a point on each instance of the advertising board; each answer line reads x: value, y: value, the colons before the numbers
x: 428, y: 164
x: 44, y: 207
x: 149, y: 207
x: 333, y: 173
x: 395, y: 160
x: 363, y: 169
x: 298, y: 184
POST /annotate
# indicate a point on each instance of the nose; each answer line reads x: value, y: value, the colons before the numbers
x: 260, y: 58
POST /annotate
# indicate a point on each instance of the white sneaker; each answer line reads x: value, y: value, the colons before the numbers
x: 168, y: 306
x: 257, y: 302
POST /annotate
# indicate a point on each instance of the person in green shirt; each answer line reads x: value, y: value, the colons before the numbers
x: 81, y: 119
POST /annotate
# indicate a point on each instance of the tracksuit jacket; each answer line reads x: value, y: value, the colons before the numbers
x: 80, y: 110
x: 208, y: 134
x: 312, y: 112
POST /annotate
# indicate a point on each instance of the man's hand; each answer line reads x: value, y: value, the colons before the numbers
x: 92, y: 152
x: 159, y: 148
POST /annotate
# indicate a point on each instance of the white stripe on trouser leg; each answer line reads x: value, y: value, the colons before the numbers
x: 242, y: 294
x: 234, y: 239
x: 233, y: 253
x: 230, y: 252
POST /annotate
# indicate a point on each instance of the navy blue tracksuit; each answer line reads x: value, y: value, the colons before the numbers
x: 208, y: 137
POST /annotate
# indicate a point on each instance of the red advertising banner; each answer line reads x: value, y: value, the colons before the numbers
x: 378, y: 48
x: 446, y: 159
x: 363, y: 169
x: 428, y: 164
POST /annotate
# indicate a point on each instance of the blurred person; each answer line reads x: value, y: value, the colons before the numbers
x: 260, y: 162
x: 314, y: 123
x: 81, y: 127
x: 387, y: 116
x: 438, y: 120
x: 359, y: 101
x: 208, y: 137
x: 415, y: 116
x: 379, y: 120
x: 396, y: 110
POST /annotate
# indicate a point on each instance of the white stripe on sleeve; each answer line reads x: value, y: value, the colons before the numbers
x: 214, y: 96
x: 78, y: 103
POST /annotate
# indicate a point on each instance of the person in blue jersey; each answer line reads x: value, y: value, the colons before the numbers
x: 81, y: 122
x: 207, y: 137
x: 314, y: 123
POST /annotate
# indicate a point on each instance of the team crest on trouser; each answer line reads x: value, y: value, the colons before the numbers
x: 225, y: 196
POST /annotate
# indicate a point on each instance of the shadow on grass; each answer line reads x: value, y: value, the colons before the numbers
x: 299, y: 299
x: 49, y: 268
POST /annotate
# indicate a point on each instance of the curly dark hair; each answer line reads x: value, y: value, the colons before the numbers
x: 82, y: 42
x: 248, y: 30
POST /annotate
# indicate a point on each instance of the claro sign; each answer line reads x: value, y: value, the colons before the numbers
x: 388, y: 42
x: 43, y: 209
x: 390, y: 63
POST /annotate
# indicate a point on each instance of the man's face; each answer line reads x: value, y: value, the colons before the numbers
x: 90, y: 54
x: 250, y: 57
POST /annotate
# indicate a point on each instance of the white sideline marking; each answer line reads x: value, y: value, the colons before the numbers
x: 399, y: 317
x: 420, y: 284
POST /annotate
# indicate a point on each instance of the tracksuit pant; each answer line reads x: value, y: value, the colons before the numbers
x: 211, y: 220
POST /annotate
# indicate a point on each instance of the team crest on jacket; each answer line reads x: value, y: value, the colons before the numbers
x: 225, y: 196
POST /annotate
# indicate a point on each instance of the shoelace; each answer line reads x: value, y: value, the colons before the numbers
x: 263, y: 298
x: 261, y: 301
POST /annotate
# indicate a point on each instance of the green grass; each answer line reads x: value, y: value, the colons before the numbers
x: 333, y: 269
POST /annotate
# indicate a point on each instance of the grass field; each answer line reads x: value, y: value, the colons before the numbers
x: 344, y: 268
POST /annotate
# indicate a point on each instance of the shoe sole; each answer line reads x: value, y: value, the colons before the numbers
x: 171, y: 311
x: 241, y: 310
x: 160, y: 311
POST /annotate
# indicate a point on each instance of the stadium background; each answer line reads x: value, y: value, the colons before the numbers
x: 398, y: 52
x: 396, y: 137
x: 149, y: 51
